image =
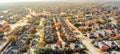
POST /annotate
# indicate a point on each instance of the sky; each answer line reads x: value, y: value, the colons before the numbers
x: 4, y: 1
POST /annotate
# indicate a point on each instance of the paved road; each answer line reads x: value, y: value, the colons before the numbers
x: 87, y: 43
x: 7, y: 44
x: 22, y: 35
x: 58, y: 33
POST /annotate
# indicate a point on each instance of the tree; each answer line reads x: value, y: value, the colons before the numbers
x: 44, y: 50
x: 62, y: 35
x: 59, y: 42
x: 108, y: 24
x: 1, y: 33
x: 57, y: 24
x: 41, y: 42
x: 40, y: 50
x: 12, y: 38
x: 24, y: 48
x: 33, y: 30
x: 48, y: 50
x: 30, y: 35
x: 118, y: 26
x: 6, y: 25
x: 37, y: 22
x: 77, y: 25
x: 1, y: 30
x: 28, y: 41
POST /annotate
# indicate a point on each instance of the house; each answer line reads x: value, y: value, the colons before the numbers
x: 12, y: 50
x: 91, y: 35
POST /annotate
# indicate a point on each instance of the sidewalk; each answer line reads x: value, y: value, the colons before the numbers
x: 3, y: 43
x: 85, y: 42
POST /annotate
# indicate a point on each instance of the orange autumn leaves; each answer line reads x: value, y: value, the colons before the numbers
x: 5, y: 26
x: 33, y: 30
x: 57, y: 24
x: 12, y: 38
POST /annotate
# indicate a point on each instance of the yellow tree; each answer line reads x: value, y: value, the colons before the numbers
x: 6, y: 26
x: 12, y: 38
x: 41, y: 42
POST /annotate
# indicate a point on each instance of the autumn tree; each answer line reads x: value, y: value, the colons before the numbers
x: 12, y: 38
x: 6, y: 26
x: 1, y: 33
x: 33, y: 30
x: 24, y: 49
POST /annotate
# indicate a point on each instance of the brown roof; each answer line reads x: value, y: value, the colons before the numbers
x: 118, y: 42
x: 117, y: 36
